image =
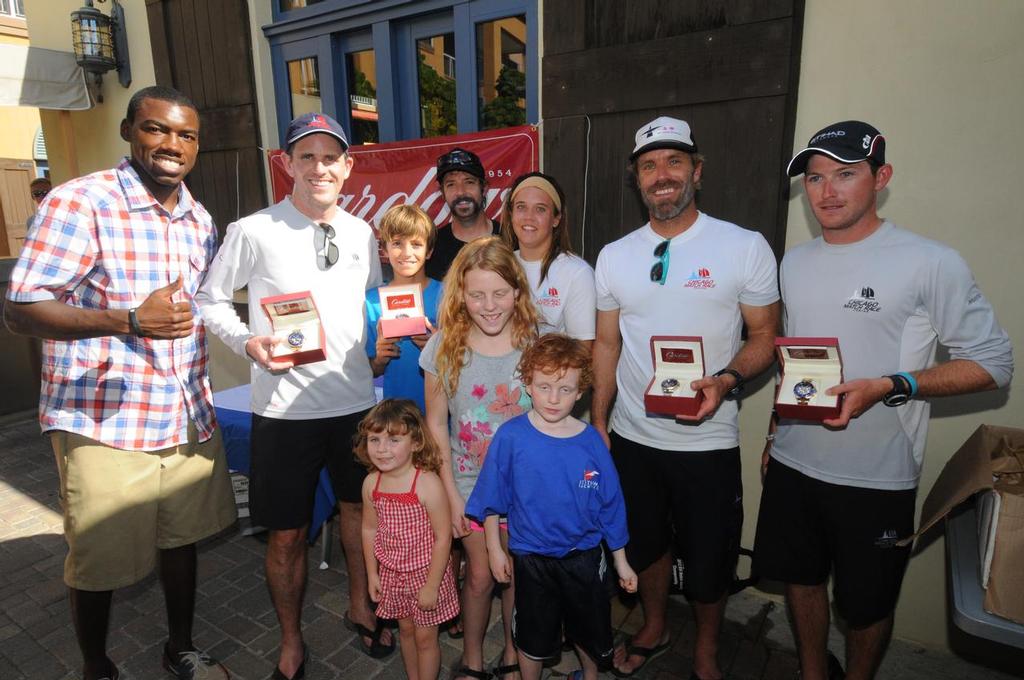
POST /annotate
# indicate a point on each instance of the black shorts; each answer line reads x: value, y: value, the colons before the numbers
x: 287, y: 456
x: 695, y: 497
x: 807, y: 528
x: 570, y: 590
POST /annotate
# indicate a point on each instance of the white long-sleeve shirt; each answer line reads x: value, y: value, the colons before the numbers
x: 273, y: 252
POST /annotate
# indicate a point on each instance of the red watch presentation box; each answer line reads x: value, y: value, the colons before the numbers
x: 808, y: 367
x: 678, y: 361
x: 401, y: 311
x: 296, y: 321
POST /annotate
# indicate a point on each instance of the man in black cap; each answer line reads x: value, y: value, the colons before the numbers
x: 464, y: 188
x: 304, y: 416
x: 838, y: 496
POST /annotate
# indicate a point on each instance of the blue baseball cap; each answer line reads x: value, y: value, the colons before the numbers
x: 312, y: 123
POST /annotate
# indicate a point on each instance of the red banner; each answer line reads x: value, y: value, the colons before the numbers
x: 404, y: 172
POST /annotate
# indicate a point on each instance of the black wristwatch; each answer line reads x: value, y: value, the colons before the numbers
x: 133, y: 322
x: 900, y: 393
x: 740, y: 380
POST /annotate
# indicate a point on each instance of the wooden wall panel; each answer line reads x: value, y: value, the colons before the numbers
x: 728, y: 67
x: 614, y: 22
x: 729, y: 63
x: 201, y: 47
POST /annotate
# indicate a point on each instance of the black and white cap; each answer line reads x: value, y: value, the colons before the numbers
x: 848, y: 142
x: 663, y: 133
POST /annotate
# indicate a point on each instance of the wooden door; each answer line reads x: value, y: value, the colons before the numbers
x: 728, y: 67
x: 16, y: 203
x: 202, y: 48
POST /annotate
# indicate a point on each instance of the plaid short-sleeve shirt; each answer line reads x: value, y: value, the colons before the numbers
x: 103, y: 242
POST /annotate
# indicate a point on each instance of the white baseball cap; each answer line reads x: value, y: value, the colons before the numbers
x: 664, y: 133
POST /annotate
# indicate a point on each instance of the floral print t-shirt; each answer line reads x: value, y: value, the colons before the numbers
x: 489, y: 393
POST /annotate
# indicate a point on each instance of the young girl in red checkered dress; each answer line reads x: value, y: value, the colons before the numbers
x: 407, y: 531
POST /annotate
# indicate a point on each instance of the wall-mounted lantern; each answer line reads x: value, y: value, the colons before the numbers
x: 101, y: 43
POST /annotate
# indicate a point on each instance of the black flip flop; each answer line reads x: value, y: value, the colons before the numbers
x: 376, y: 649
x: 300, y: 672
x: 467, y: 672
x: 453, y: 630
x: 507, y: 669
x: 647, y: 653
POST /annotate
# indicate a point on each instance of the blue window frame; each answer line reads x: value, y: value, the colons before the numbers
x: 329, y: 31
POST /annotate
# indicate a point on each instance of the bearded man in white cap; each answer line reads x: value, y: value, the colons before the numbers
x: 684, y: 273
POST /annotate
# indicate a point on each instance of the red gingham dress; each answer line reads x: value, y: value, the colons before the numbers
x: 402, y: 547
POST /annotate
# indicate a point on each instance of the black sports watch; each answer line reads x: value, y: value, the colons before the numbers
x: 900, y: 393
x: 740, y: 381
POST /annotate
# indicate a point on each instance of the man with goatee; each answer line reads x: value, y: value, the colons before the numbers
x: 684, y: 273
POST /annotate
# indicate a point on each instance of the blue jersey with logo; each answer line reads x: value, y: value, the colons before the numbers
x: 560, y: 494
x: 403, y: 378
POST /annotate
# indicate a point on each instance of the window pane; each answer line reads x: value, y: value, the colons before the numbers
x: 5, y: 6
x: 436, y: 65
x: 19, y: 7
x: 362, y: 95
x: 304, y: 83
x: 286, y: 5
x: 501, y: 69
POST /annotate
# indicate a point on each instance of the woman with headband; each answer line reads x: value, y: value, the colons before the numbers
x: 533, y: 223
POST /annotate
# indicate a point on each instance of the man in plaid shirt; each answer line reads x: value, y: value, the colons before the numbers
x: 106, y: 278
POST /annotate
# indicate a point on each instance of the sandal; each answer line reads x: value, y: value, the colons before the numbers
x: 454, y: 628
x: 467, y: 672
x: 507, y: 669
x: 646, y: 653
x: 376, y: 649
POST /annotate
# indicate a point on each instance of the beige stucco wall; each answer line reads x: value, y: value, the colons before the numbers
x: 96, y: 135
x: 942, y: 80
x: 19, y: 123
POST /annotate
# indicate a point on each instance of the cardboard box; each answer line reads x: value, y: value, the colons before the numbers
x: 296, y: 321
x: 401, y: 311
x: 678, y: 360
x: 990, y: 463
x: 808, y: 367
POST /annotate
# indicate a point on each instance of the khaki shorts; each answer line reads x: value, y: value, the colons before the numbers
x: 120, y: 506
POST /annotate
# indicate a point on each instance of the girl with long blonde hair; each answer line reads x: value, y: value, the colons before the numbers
x: 486, y: 319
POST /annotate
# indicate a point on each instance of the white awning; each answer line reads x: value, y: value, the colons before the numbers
x: 44, y: 79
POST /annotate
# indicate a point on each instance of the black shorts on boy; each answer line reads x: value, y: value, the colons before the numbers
x: 287, y: 456
x: 569, y: 590
x: 807, y: 528
x: 689, y: 500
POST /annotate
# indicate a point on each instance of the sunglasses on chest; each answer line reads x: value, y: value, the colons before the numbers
x: 659, y: 271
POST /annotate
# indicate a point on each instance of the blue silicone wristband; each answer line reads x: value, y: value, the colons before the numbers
x: 910, y: 381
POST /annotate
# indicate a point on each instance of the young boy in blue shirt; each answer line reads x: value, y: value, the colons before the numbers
x: 552, y: 475
x: 408, y: 235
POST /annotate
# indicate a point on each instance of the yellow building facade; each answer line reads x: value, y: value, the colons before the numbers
x: 19, y: 126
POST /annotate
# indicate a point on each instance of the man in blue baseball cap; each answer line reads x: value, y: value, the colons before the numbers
x: 304, y: 416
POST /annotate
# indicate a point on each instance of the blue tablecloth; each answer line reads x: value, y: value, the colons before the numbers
x: 234, y: 414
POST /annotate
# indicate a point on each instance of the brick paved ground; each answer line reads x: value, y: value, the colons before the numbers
x: 235, y: 622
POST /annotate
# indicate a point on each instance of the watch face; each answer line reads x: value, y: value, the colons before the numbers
x: 669, y: 385
x: 895, y: 399
x: 295, y: 339
x: 804, y: 389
